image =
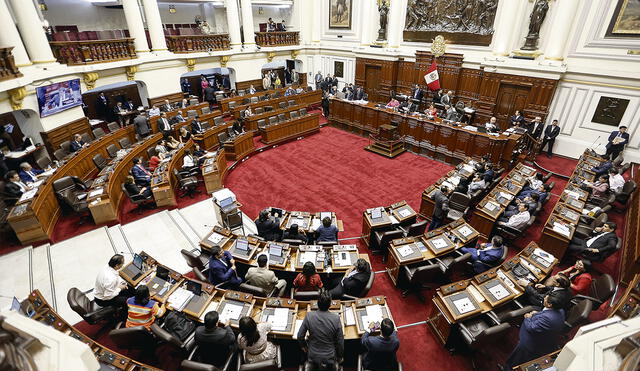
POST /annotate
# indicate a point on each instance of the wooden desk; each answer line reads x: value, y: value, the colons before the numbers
x: 34, y: 221
x: 425, y: 136
x: 445, y: 313
x: 465, y: 169
x: 224, y: 103
x: 209, y: 139
x: 213, y: 170
x: 240, y: 146
x: 304, y: 99
x: 399, y: 213
x: 251, y: 123
x: 291, y: 129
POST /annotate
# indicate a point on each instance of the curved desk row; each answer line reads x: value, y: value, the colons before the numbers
x: 430, y: 137
x: 210, y: 118
x: 245, y: 99
x: 290, y: 129
x: 450, y: 180
x: 304, y: 99
x: 168, y: 289
x: 107, y: 358
x: 251, y: 123
x: 35, y: 219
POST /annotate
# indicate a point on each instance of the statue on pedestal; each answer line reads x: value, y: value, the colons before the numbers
x: 383, y: 9
x: 538, y: 14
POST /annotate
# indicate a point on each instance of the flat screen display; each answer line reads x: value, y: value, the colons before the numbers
x: 58, y: 97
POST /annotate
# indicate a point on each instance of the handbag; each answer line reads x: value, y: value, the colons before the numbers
x: 179, y: 325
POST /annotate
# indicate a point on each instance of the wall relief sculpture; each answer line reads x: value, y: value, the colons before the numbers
x: 468, y: 22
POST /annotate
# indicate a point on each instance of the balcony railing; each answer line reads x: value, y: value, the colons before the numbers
x: 197, y: 43
x: 277, y: 38
x: 8, y: 69
x: 93, y: 51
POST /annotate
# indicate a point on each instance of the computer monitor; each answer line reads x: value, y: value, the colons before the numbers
x: 275, y: 250
x: 15, y: 305
x: 162, y: 273
x: 325, y: 214
x: 137, y: 261
x: 242, y: 244
x: 376, y: 213
x: 226, y: 202
x: 194, y: 287
x: 275, y: 211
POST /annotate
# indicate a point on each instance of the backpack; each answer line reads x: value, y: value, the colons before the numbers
x: 179, y: 325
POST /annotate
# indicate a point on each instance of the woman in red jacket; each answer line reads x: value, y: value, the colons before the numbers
x: 579, y: 276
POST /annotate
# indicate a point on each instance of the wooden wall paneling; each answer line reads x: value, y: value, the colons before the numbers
x: 469, y: 84
x: 464, y: 143
x: 406, y: 77
x: 242, y: 85
x: 53, y: 138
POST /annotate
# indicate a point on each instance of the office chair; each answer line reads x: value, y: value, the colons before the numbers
x: 262, y: 365
x: 192, y: 364
x: 91, y: 312
x: 218, y: 120
x: 99, y: 161
x: 583, y: 231
x: 43, y: 162
x: 478, y: 334
x: 86, y: 138
x: 222, y: 138
x: 458, y: 206
x: 365, y: 289
x: 112, y: 150
x: 510, y: 233
x: 622, y: 198
x: 194, y: 260
x: 72, y: 192
x: 383, y: 240
x: 273, y: 120
x: 578, y: 315
x: 511, y: 313
x: 187, y: 184
x: 303, y: 111
x: 113, y: 126
x: 293, y: 242
x: 417, y: 275
x: 205, y: 110
x: 451, y: 262
x: 134, y: 338
x: 140, y: 201
x: 257, y: 291
x: 199, y: 274
x: 327, y: 243
x: 262, y: 124
x: 191, y: 113
x: 9, y: 200
x: 60, y: 154
x: 304, y: 295
x: 259, y: 110
x: 233, y: 221
x: 414, y: 229
x: 184, y: 346
x: 360, y: 366
x: 98, y: 133
x: 307, y: 365
x: 602, y: 289
x: 124, y: 143
x: 194, y: 101
x: 151, y: 151
x: 282, y: 117
x: 66, y: 146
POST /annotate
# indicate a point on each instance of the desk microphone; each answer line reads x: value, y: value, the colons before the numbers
x: 594, y: 142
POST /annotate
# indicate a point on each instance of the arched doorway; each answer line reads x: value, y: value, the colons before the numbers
x: 136, y: 91
x: 20, y: 131
x: 288, y: 70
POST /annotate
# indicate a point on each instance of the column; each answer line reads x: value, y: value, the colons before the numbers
x: 316, y: 20
x: 154, y: 24
x: 395, y: 22
x: 297, y: 22
x: 367, y: 22
x: 505, y: 29
x: 561, y: 26
x: 31, y: 31
x: 135, y: 25
x: 233, y: 22
x: 247, y: 23
x: 9, y: 36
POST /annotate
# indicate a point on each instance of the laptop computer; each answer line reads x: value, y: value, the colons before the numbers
x: 197, y: 300
x: 134, y: 270
x: 376, y: 213
x: 275, y: 211
x: 275, y: 253
x: 227, y: 204
x: 242, y: 245
x: 194, y: 287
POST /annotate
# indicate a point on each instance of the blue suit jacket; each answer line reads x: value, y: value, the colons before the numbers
x: 539, y: 333
x: 139, y: 174
x: 381, y: 352
x: 490, y: 256
x: 76, y: 146
x: 26, y: 178
x: 219, y: 272
x: 615, y: 134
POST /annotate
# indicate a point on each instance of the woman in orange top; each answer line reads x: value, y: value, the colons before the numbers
x: 142, y: 310
x: 308, y: 280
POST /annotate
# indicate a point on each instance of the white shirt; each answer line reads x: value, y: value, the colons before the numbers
x: 154, y: 112
x: 535, y: 183
x: 592, y: 239
x: 518, y: 220
x: 34, y: 177
x: 188, y: 161
x: 107, y: 284
x: 23, y: 187
x: 616, y: 182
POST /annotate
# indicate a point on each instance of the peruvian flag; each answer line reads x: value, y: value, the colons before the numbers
x: 432, y: 78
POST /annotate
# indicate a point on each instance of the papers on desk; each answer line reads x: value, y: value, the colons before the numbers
x: 439, y: 243
x: 179, y: 298
x: 94, y: 122
x: 561, y: 228
x: 404, y: 212
x: 499, y: 292
x: 15, y: 154
x: 349, y: 317
x: 506, y: 280
x: 544, y: 255
x: 212, y: 306
x: 279, y: 319
x: 455, y: 180
x: 491, y: 206
x: 572, y: 194
x: 421, y: 246
x: 215, y: 238
x: 231, y: 311
x: 405, y: 250
x: 508, y: 196
x: 296, y: 328
x: 468, y: 168
x: 308, y: 256
x: 315, y: 224
x: 470, y: 128
x: 342, y: 259
x: 475, y: 293
x: 448, y: 185
x: 96, y: 192
x: 465, y: 231
x: 28, y: 195
x: 464, y: 305
x: 374, y: 315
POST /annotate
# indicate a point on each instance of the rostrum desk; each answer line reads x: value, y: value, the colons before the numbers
x: 421, y: 135
x: 291, y: 129
x: 239, y: 146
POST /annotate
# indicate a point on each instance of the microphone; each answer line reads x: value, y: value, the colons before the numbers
x: 594, y: 142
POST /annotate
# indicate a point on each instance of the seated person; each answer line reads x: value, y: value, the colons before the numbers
x: 196, y: 126
x: 142, y: 310
x: 463, y: 186
x: 380, y: 350
x: 489, y: 174
x: 77, y: 143
x: 452, y: 114
x: 185, y: 135
x: 177, y: 119
x: 616, y: 181
x: 161, y: 147
x: 599, y: 189
x: 534, y: 293
x: 516, y: 221
x: 268, y: 226
x: 536, y: 180
x: 28, y: 174
x: 136, y: 193
x: 154, y: 111
x: 222, y: 268
x: 531, y: 201
x: 215, y: 340
x: 327, y: 231
x: 602, y: 169
x: 294, y: 233
x: 167, y: 106
x: 289, y: 92
x: 579, y: 276
x: 485, y: 255
x: 393, y: 103
x: 264, y: 278
x: 517, y: 119
x: 189, y: 162
x: 431, y: 111
x: 597, y: 248
x: 171, y: 143
x: 492, y: 125
x: 308, y: 279
x: 141, y: 175
x: 476, y: 184
x: 253, y: 340
x: 183, y: 104
x: 14, y: 187
x: 354, y: 281
x: 408, y: 107
x: 109, y: 288
x: 238, y: 127
x: 542, y: 192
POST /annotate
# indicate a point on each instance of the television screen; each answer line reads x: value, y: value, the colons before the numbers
x: 58, y: 97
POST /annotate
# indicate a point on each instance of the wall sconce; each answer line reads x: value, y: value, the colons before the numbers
x: 260, y: 10
x: 42, y: 5
x: 172, y: 9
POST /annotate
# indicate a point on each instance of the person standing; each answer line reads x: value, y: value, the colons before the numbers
x: 380, y: 351
x: 163, y: 125
x: 141, y: 124
x: 268, y: 227
x: 550, y: 134
x: 324, y: 345
x: 536, y: 127
x: 618, y: 139
x: 318, y: 79
x: 441, y: 209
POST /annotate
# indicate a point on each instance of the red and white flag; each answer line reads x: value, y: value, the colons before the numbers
x: 432, y: 78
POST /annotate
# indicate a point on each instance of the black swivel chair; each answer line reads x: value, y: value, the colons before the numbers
x: 415, y: 229
x: 124, y: 143
x: 98, y: 133
x: 479, y: 333
x: 418, y: 275
x: 578, y: 315
x: 262, y: 365
x: 191, y: 363
x: 72, y: 192
x: 194, y: 260
x: 112, y: 150
x: 113, y: 126
x: 365, y: 289
x: 91, y: 312
x: 99, y: 161
x: 60, y: 154
x: 140, y: 201
x: 134, y: 338
x: 187, y: 184
x: 383, y: 241
x: 66, y: 146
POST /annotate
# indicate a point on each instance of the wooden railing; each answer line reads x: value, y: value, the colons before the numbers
x: 198, y: 43
x: 8, y: 69
x: 277, y: 38
x: 93, y: 51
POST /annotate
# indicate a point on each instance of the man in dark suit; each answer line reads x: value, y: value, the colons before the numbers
x: 334, y: 82
x: 517, y: 119
x: 196, y: 126
x: 559, y: 285
x: 539, y: 332
x: 380, y: 354
x: 416, y: 93
x: 210, y: 95
x: 601, y: 244
x: 14, y: 188
x: 222, y: 268
x: 354, y: 280
x: 77, y: 143
x: 215, y: 341
x: 536, y: 127
x: 268, y: 226
x: 141, y: 175
x: 166, y: 106
x: 102, y: 106
x: 163, y: 125
x: 617, y: 140
x: 437, y: 96
x: 129, y: 106
x: 28, y: 174
x: 550, y: 134
x: 485, y: 255
x: 141, y: 124
x: 441, y: 208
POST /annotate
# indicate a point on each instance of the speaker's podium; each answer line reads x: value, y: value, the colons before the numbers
x: 387, y: 142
